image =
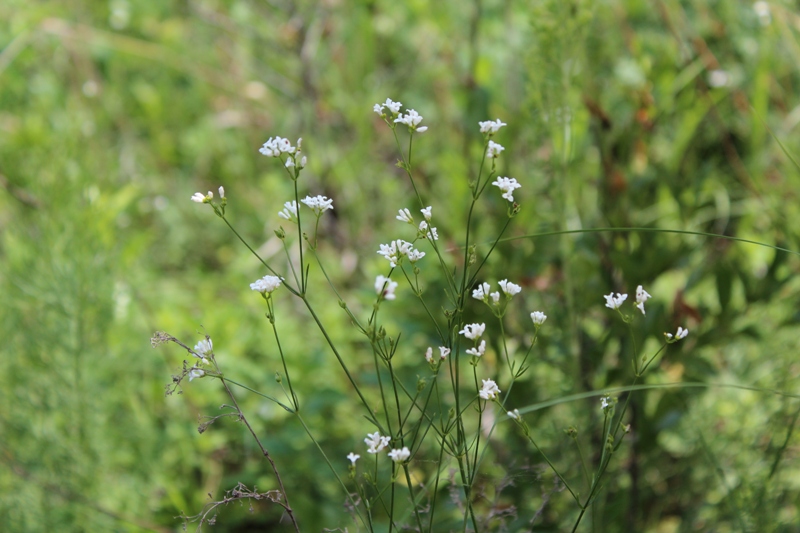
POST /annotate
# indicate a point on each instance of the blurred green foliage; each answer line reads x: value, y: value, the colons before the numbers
x: 626, y: 113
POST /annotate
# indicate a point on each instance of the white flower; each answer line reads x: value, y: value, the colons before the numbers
x: 538, y: 318
x: 615, y: 302
x: 509, y: 288
x: 203, y: 348
x: 394, y: 107
x: 318, y: 203
x: 412, y: 120
x: 507, y: 185
x: 479, y: 351
x: 431, y: 233
x: 605, y: 402
x: 429, y: 355
x: 221, y: 191
x: 482, y: 292
x: 397, y: 249
x: 289, y: 211
x: 404, y: 215
x: 277, y: 146
x: 491, y: 126
x: 415, y: 255
x: 641, y: 297
x: 680, y: 334
x: 514, y: 414
x: 289, y: 163
x: 489, y: 391
x: 473, y: 331
x: 303, y: 162
x: 201, y: 198
x: 375, y: 442
x: 196, y: 373
x: 353, y: 458
x: 495, y: 297
x: 426, y: 213
x: 398, y: 456
x: 385, y: 287
x: 266, y: 285
x: 443, y: 352
x: 493, y: 150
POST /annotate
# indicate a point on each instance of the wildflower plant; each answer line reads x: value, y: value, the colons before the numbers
x: 415, y: 433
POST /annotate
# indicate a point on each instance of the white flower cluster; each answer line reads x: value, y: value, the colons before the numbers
x: 398, y: 456
x: 412, y: 120
x: 393, y: 107
x: 514, y: 414
x: 318, y: 203
x: 203, y: 348
x: 428, y: 233
x: 473, y: 331
x: 482, y: 292
x: 489, y: 391
x: 493, y: 150
x: 376, y: 443
x: 385, y: 287
x: 538, y: 318
x: 507, y: 185
x: 443, y: 353
x: 491, y: 126
x: 266, y: 285
x: 396, y: 250
x: 614, y: 302
x: 201, y: 198
x: 641, y: 297
x: 509, y: 288
x: 606, y: 402
x: 277, y: 146
x: 478, y: 350
x: 680, y: 334
x: 289, y: 211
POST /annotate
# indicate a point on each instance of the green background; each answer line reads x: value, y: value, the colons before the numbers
x: 112, y: 114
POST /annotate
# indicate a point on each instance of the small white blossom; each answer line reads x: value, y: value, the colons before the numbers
x: 489, y: 391
x: 479, y: 350
x: 514, y: 414
x: 491, y: 126
x: 353, y: 457
x: 266, y: 285
x: 429, y: 355
x: 443, y: 352
x: 201, y: 198
x: 507, y: 185
x: 318, y: 203
x: 303, y: 162
x: 394, y: 107
x: 482, y: 292
x: 289, y: 163
x: 404, y: 215
x: 398, y: 456
x: 509, y: 288
x: 203, y: 348
x: 196, y: 373
x: 426, y: 213
x: 538, y: 318
x: 376, y: 443
x: 385, y: 287
x: 277, y: 146
x: 412, y: 120
x: 493, y: 150
x: 221, y: 191
x: 641, y: 297
x: 289, y: 211
x: 397, y: 249
x: 605, y: 402
x: 613, y: 302
x: 680, y: 334
x: 495, y: 297
x: 473, y: 331
x: 428, y: 233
